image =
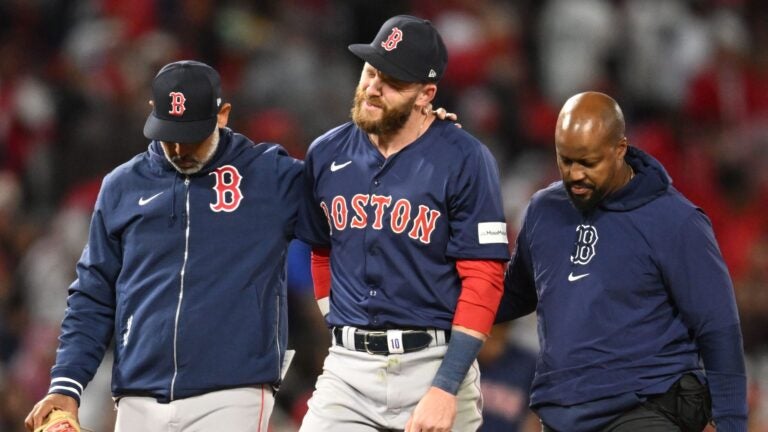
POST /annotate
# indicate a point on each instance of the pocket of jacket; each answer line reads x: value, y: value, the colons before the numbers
x: 694, y: 404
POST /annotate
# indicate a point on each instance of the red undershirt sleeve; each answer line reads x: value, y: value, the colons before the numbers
x: 321, y: 272
x: 482, y: 285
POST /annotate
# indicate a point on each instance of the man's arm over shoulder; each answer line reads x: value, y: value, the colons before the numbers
x: 313, y: 225
x: 289, y: 173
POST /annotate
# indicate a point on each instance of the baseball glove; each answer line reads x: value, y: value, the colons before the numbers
x: 59, y: 421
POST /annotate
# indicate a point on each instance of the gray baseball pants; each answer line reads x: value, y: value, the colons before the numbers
x: 244, y: 409
x: 361, y: 392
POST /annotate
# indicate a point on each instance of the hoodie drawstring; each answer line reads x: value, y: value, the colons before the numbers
x: 172, y: 218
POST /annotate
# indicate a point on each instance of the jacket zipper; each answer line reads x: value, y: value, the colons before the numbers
x: 181, y: 292
x: 277, y: 338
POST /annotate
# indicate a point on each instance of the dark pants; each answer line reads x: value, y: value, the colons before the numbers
x: 686, y: 407
x: 643, y: 419
x: 640, y: 418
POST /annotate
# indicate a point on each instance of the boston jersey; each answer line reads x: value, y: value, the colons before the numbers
x: 396, y: 225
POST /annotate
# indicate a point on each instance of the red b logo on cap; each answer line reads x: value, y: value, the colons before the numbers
x: 394, y: 38
x: 177, y: 104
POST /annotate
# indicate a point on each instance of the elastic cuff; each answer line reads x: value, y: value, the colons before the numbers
x: 66, y: 386
x: 731, y: 424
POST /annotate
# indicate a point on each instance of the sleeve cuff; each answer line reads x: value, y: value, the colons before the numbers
x: 731, y: 424
x: 66, y: 386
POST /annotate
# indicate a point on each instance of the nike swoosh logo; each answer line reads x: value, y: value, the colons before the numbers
x: 335, y: 167
x: 572, y: 278
x: 144, y: 201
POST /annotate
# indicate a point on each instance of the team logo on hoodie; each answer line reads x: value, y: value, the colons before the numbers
x: 227, y: 188
x: 584, y: 248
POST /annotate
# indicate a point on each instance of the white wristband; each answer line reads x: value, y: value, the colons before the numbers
x: 325, y: 305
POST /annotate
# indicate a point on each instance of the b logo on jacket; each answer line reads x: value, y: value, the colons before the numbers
x: 584, y: 248
x: 227, y: 188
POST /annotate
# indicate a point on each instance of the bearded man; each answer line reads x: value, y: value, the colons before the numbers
x: 409, y: 248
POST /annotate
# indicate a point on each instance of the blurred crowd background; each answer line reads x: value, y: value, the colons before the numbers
x: 691, y: 76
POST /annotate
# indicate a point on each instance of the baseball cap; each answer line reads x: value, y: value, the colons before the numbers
x: 406, y: 48
x: 187, y: 97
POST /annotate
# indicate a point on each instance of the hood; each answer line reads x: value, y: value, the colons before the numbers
x: 230, y: 146
x: 650, y: 182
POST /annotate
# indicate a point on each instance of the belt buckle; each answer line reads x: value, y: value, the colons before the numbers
x: 366, y: 342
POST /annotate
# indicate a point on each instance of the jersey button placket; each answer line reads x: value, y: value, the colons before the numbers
x: 372, y: 251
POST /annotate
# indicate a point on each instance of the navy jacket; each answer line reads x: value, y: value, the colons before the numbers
x: 187, y: 273
x: 629, y: 297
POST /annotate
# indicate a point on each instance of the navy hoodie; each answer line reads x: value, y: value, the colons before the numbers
x: 187, y: 272
x: 630, y: 296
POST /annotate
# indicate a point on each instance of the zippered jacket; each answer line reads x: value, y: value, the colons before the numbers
x: 629, y: 297
x: 186, y: 274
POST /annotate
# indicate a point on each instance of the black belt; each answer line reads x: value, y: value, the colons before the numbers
x: 377, y: 342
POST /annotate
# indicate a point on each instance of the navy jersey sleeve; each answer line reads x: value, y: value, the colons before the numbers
x: 478, y: 227
x: 313, y: 225
x: 520, y: 296
x: 701, y: 288
x: 89, y: 318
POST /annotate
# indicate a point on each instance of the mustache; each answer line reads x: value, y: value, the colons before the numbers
x: 361, y: 96
x: 184, y: 159
x: 375, y: 101
x: 570, y: 184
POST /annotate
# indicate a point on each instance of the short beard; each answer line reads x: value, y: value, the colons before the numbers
x: 392, y: 118
x: 585, y: 205
x: 199, y: 164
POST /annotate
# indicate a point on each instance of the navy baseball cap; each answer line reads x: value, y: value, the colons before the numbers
x: 187, y: 97
x: 406, y: 48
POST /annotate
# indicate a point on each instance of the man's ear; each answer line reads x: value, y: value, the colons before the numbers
x: 425, y: 97
x: 622, y: 147
x: 222, y: 118
x: 428, y: 93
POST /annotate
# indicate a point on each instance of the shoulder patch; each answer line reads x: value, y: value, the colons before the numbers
x: 492, y: 232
